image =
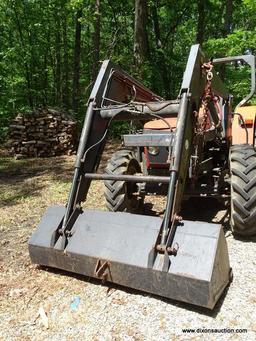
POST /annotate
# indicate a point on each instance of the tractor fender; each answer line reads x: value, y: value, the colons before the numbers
x: 238, y: 128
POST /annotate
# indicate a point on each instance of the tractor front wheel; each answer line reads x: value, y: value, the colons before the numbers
x: 243, y: 189
x: 121, y: 195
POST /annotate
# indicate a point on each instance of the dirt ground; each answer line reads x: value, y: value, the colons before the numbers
x: 44, y: 304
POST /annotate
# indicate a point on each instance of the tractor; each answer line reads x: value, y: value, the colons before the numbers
x: 193, y: 145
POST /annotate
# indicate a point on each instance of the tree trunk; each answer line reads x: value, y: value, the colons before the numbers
x: 161, y: 64
x: 228, y: 17
x: 45, y: 79
x: 228, y: 20
x: 96, y: 41
x: 58, y: 60
x: 33, y: 57
x: 141, y: 50
x: 200, y: 21
x: 77, y: 58
x: 66, y: 62
x: 28, y: 75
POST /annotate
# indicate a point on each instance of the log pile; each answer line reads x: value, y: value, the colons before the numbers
x: 44, y: 132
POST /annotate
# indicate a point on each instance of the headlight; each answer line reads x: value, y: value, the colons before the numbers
x: 153, y: 150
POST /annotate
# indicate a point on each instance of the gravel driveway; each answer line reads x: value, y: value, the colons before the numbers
x: 43, y: 304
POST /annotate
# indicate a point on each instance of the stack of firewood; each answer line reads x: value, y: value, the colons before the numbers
x: 44, y: 132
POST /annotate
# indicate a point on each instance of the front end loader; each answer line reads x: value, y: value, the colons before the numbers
x: 184, y: 147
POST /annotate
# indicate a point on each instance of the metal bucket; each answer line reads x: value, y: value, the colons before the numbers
x: 115, y: 247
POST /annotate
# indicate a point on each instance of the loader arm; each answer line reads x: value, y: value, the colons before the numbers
x: 191, y: 92
x: 112, y: 85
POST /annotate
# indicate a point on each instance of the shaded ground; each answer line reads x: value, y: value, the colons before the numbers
x: 27, y: 188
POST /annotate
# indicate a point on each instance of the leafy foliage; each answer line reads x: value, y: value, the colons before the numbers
x: 38, y: 43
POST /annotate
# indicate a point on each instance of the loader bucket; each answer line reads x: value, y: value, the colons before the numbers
x: 116, y: 247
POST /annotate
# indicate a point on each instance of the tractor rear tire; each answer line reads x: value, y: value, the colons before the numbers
x: 243, y: 189
x: 120, y: 195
